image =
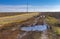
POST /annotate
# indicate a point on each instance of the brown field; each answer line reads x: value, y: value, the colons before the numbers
x: 2, y: 14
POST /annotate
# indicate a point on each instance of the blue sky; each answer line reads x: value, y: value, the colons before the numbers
x: 30, y: 2
x: 34, y: 5
x: 13, y: 2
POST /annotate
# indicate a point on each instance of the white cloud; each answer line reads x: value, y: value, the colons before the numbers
x: 23, y: 8
x: 6, y: 8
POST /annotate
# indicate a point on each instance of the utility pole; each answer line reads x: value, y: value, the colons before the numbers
x: 27, y: 6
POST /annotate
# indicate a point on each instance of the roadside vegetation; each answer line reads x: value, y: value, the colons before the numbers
x: 54, y: 23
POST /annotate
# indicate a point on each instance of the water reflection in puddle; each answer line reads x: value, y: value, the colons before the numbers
x: 35, y: 28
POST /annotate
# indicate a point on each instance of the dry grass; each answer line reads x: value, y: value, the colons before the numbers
x: 57, y: 30
x: 16, y: 18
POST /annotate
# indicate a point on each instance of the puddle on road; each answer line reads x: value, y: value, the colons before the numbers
x: 35, y: 28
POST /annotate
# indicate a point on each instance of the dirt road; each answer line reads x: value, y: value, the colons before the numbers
x: 44, y: 35
x: 27, y: 33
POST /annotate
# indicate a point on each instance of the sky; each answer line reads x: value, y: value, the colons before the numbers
x: 33, y: 5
